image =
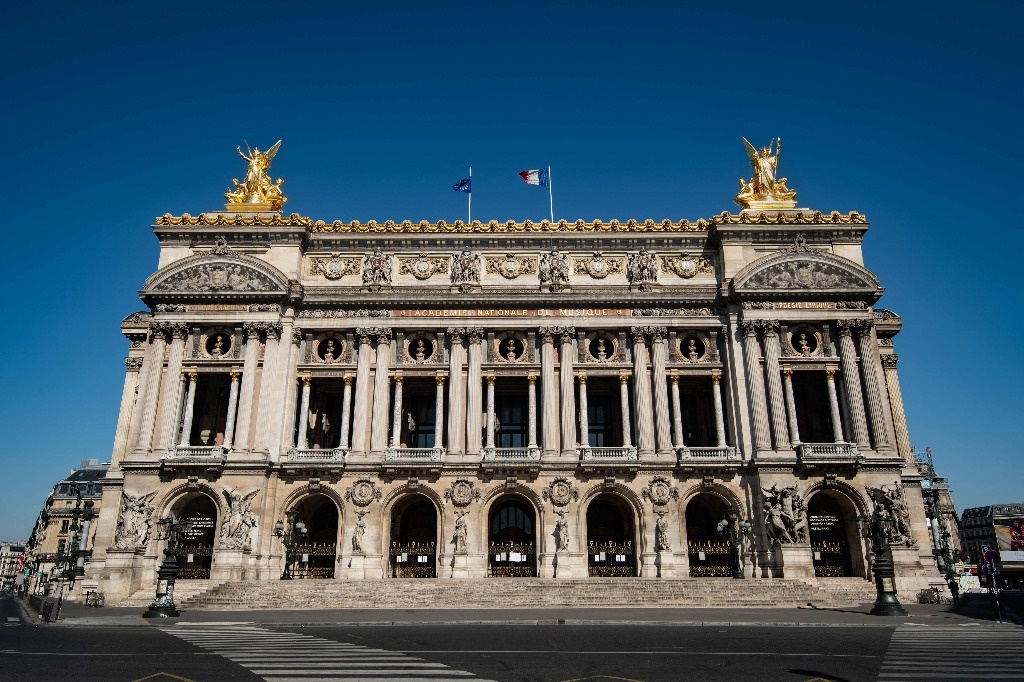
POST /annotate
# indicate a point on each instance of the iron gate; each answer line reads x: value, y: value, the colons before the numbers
x: 711, y: 559
x: 611, y: 559
x: 413, y: 560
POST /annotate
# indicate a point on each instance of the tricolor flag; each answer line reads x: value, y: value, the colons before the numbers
x: 538, y: 176
x: 464, y: 185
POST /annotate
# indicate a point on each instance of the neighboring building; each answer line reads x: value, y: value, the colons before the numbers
x: 943, y: 521
x: 12, y: 556
x: 1000, y: 527
x: 510, y: 399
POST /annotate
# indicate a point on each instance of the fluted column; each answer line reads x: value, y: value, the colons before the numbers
x: 776, y: 401
x: 661, y: 416
x: 787, y: 383
x: 396, y: 415
x: 190, y: 409
x: 876, y: 399
x: 899, y: 417
x: 474, y: 389
x: 677, y: 415
x: 490, y: 411
x: 247, y: 393
x: 439, y: 412
x: 268, y: 389
x: 549, y: 392
x: 170, y: 398
x: 643, y: 410
x: 456, y: 392
x: 851, y: 379
x: 584, y: 419
x: 363, y: 397
x: 755, y: 386
x: 568, y: 391
x: 716, y: 392
x: 288, y: 401
x: 531, y: 424
x: 126, y: 412
x: 229, y: 422
x: 381, y: 393
x: 303, y: 440
x: 833, y: 403
x: 140, y: 433
x: 627, y: 436
x: 346, y: 412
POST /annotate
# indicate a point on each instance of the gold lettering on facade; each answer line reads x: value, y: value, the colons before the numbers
x: 515, y: 312
x: 806, y: 305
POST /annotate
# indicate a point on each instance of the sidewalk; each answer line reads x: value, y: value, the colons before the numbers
x: 975, y: 610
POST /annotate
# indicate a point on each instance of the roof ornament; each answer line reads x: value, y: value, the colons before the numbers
x: 765, y: 190
x: 256, y: 193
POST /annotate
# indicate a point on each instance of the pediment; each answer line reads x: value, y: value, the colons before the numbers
x: 806, y: 270
x: 217, y: 274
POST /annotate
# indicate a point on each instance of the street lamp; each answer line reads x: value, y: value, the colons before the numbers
x: 290, y: 536
x: 876, y: 527
x: 167, y: 528
x: 735, y: 529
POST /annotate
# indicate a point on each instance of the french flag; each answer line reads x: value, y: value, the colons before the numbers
x: 538, y: 176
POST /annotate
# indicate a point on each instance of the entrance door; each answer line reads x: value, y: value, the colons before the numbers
x: 610, y: 533
x: 511, y: 546
x: 195, y: 543
x: 414, y: 546
x: 711, y: 555
x: 829, y: 539
x: 316, y: 557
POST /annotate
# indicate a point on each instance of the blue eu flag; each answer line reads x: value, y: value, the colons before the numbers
x: 464, y: 185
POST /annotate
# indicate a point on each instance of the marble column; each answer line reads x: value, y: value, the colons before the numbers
x: 268, y: 389
x: 659, y: 357
x: 899, y: 417
x: 381, y: 393
x: 755, y: 386
x: 396, y: 414
x: 140, y: 433
x: 716, y: 392
x: 126, y: 411
x: 531, y: 425
x: 287, y: 403
x: 190, y: 410
x: 549, y: 392
x: 584, y: 419
x: 568, y: 391
x: 643, y: 410
x: 439, y: 412
x: 170, y: 397
x: 877, y: 407
x: 246, y: 394
x: 303, y: 439
x: 833, y: 403
x: 474, y: 390
x: 677, y: 414
x: 776, y: 401
x: 787, y: 382
x: 229, y: 422
x: 851, y: 380
x: 456, y: 392
x: 363, y: 397
x: 346, y: 412
x: 490, y: 412
x: 627, y: 437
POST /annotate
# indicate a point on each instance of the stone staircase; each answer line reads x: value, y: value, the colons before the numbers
x: 183, y: 590
x: 492, y: 593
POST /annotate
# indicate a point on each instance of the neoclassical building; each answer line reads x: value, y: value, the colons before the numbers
x: 555, y: 400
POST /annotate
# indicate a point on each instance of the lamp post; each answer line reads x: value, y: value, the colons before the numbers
x: 876, y: 528
x: 735, y: 529
x: 290, y: 537
x: 168, y: 529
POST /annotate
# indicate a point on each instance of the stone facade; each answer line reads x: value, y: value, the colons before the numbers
x: 510, y: 399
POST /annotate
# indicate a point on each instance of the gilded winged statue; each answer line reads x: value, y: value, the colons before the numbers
x: 764, y: 185
x: 256, y: 189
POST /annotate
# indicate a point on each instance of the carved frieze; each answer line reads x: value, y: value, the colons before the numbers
x: 804, y: 274
x: 597, y: 266
x: 687, y: 266
x: 466, y: 268
x: 560, y: 492
x: 511, y: 266
x: 335, y: 267
x: 377, y: 268
x: 330, y: 313
x: 423, y: 266
x: 554, y: 269
x: 673, y: 312
x: 363, y: 492
x: 217, y: 277
x: 462, y: 492
x: 642, y: 268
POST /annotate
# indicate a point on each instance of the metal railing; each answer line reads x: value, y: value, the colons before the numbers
x: 626, y: 454
x: 316, y: 455
x: 414, y: 455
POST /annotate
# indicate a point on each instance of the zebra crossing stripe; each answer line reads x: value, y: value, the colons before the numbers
x: 290, y: 657
x: 953, y: 653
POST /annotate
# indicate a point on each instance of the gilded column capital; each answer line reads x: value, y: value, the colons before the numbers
x: 399, y: 378
x: 193, y: 377
x: 583, y: 378
x: 235, y: 376
x: 716, y: 378
x: 830, y: 373
x: 439, y: 379
x: 623, y: 378
x: 306, y: 380
x: 787, y: 373
x: 531, y: 378
x: 889, y: 361
x: 347, y: 378
x: 674, y: 378
x: 490, y: 379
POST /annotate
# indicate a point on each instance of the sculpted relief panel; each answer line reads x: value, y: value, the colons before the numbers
x: 217, y: 277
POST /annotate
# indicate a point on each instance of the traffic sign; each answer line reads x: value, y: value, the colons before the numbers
x: 991, y: 556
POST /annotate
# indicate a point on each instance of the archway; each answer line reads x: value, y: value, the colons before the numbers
x: 511, y: 540
x: 611, y: 533
x: 315, y: 556
x: 413, y: 551
x: 195, y: 541
x: 832, y: 523
x: 711, y: 554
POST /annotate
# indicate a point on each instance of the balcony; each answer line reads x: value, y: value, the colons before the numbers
x: 705, y: 458
x: 511, y: 460
x: 314, y: 459
x: 622, y: 459
x: 193, y: 457
x: 829, y: 453
x: 425, y: 460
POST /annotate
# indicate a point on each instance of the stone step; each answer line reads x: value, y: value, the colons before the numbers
x: 183, y: 590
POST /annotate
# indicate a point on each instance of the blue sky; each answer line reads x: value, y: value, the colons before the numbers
x: 907, y: 112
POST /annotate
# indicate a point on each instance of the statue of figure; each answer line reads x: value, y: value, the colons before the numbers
x: 691, y: 350
x: 218, y: 346
x: 778, y: 525
x: 641, y: 268
x: 510, y: 353
x: 793, y: 513
x: 554, y: 269
x: 377, y: 268
x: 237, y: 527
x: 466, y: 268
x: 891, y: 504
x: 661, y: 533
x: 461, y: 532
x: 329, y: 352
x: 765, y: 185
x: 561, y: 532
x: 804, y: 348
x: 257, y: 188
x: 133, y: 521
x: 421, y: 350
x: 358, y: 532
x: 601, y: 353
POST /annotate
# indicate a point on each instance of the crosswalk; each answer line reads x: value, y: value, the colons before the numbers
x: 293, y: 657
x: 11, y: 621
x: 954, y: 653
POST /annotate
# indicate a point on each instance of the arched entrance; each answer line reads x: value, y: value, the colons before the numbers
x: 414, y: 539
x: 199, y: 531
x: 833, y: 532
x: 611, y: 550
x: 316, y: 555
x: 711, y: 554
x: 511, y: 540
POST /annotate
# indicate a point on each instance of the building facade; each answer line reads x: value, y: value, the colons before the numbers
x: 12, y: 558
x: 555, y: 400
x: 1000, y: 527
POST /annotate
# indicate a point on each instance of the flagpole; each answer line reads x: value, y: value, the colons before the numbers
x: 470, y: 193
x: 551, y: 196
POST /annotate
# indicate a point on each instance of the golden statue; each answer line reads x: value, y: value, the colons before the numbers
x: 256, y: 192
x: 765, y: 190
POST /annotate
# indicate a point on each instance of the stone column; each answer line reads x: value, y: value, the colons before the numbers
x: 439, y: 412
x: 677, y: 414
x: 170, y: 398
x: 549, y: 392
x: 787, y: 382
x: 456, y: 392
x: 568, y: 391
x: 268, y: 389
x: 126, y: 412
x: 584, y: 423
x: 396, y: 415
x: 755, y: 386
x: 474, y: 388
x: 851, y: 379
x: 246, y: 394
x: 531, y: 425
x: 877, y: 409
x: 363, y: 393
x: 229, y: 422
x: 643, y: 410
x: 776, y: 402
x: 716, y: 391
x: 490, y: 411
x: 302, y: 441
x: 190, y: 410
x: 381, y: 393
x: 140, y: 433
x: 899, y: 417
x: 659, y: 357
x: 346, y: 412
x: 627, y: 437
x: 288, y: 401
x: 833, y: 403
